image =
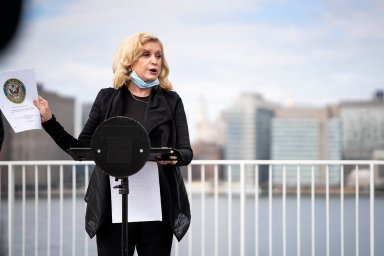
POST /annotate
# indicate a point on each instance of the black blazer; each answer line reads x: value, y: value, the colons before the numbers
x: 166, y: 124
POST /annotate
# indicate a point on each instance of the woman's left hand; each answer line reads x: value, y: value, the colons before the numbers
x: 45, y: 111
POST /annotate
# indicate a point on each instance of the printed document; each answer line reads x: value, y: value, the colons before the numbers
x: 144, y: 203
x: 16, y: 99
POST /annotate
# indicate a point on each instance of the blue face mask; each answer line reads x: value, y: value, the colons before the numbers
x: 140, y: 83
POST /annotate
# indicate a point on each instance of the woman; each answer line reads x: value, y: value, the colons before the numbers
x: 141, y: 91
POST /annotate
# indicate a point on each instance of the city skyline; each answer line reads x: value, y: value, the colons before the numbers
x: 316, y: 52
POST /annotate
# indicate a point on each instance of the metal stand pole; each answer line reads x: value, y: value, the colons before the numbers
x: 124, y: 191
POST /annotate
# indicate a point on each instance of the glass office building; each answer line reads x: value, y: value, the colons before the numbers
x: 305, y: 134
x: 248, y: 131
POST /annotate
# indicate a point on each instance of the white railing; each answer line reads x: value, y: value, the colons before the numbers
x: 238, y: 208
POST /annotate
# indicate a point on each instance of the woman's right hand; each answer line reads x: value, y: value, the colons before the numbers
x: 45, y: 112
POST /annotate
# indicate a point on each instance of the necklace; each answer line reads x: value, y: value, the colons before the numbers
x: 140, y: 100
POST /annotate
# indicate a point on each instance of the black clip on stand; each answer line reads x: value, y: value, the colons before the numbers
x: 120, y: 146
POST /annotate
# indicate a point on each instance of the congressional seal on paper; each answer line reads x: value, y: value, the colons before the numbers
x: 19, y: 90
x: 14, y: 90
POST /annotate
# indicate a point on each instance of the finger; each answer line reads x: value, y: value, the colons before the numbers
x: 43, y: 101
x: 39, y: 100
x: 37, y: 103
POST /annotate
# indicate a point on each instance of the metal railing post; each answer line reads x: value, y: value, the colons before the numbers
x: 61, y: 214
x: 242, y: 209
x: 229, y: 220
x: 270, y: 210
x: 36, y: 210
x: 202, y: 191
x: 23, y: 181
x: 216, y: 209
x: 298, y: 191
x: 73, y: 210
x: 372, y: 209
x: 11, y: 204
x: 256, y: 210
x: 313, y: 211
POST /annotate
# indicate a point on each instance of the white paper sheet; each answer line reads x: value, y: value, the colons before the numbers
x: 18, y: 90
x: 144, y: 203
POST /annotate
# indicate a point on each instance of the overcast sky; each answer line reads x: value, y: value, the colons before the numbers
x: 316, y: 52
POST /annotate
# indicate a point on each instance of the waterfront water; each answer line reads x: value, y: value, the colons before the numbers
x: 205, y: 237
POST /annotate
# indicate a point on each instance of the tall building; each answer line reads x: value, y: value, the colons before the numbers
x: 247, y: 128
x: 362, y: 125
x: 304, y: 133
x: 85, y: 110
x: 37, y: 144
x: 247, y: 131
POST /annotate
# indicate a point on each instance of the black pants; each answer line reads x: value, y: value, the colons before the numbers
x: 149, y: 238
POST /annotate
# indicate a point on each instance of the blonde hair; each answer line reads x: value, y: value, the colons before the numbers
x: 128, y: 53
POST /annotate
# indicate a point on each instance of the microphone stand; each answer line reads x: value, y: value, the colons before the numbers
x: 124, y: 191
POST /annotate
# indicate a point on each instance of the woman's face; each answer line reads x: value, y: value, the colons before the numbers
x: 148, y: 65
